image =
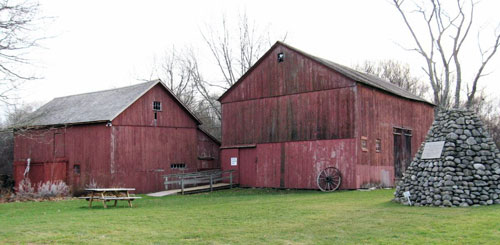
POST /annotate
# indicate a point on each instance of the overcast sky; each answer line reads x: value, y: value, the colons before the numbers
x: 106, y: 44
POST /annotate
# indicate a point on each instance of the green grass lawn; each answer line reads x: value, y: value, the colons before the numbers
x: 250, y: 216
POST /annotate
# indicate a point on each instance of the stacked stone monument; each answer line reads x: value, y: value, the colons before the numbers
x: 457, y: 165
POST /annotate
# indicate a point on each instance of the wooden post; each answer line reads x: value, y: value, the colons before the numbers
x: 166, y: 183
x: 211, y: 179
x: 182, y: 185
x: 230, y: 180
x: 103, y: 200
x: 129, y: 201
x: 91, y: 198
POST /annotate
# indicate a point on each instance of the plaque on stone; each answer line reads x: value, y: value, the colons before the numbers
x: 433, y: 150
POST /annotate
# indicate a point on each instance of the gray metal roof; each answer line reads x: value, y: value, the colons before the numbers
x: 361, y: 77
x: 101, y: 106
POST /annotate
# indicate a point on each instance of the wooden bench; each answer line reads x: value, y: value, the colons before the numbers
x: 110, y: 194
x: 203, y: 177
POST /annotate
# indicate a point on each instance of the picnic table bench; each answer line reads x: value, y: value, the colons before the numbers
x: 110, y: 194
x: 202, y: 177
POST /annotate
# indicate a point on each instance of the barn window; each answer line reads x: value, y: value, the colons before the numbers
x: 378, y: 145
x: 156, y: 106
x: 364, y: 143
x: 281, y: 57
x: 76, y: 169
x: 177, y: 165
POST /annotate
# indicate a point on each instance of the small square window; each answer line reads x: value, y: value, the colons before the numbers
x: 364, y: 143
x: 76, y: 169
x: 378, y: 145
x: 156, y: 106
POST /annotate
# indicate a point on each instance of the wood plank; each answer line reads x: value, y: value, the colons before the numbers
x: 190, y: 189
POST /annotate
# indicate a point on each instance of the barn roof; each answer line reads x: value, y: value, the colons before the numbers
x: 94, y: 107
x: 357, y: 76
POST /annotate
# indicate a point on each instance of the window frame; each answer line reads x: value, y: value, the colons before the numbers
x: 157, y: 108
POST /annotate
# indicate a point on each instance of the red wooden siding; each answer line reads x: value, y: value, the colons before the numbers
x: 142, y: 155
x: 87, y: 146
x: 208, y: 151
x: 135, y: 151
x: 293, y: 164
x: 327, y: 114
x: 297, y: 74
x: 297, y: 111
x: 379, y: 113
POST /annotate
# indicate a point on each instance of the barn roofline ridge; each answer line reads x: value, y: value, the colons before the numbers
x: 154, y: 83
x: 31, y: 120
x: 356, y: 76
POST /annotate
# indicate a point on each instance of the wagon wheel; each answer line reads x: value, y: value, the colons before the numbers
x: 329, y: 179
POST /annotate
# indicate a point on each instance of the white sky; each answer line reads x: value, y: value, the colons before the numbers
x: 107, y: 44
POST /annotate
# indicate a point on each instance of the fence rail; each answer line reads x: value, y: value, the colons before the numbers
x: 210, y: 177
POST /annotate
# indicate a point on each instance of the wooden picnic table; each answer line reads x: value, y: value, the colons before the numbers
x: 110, y: 194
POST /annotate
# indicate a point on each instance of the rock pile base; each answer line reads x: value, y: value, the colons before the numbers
x: 466, y: 174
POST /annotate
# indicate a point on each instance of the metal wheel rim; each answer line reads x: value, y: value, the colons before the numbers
x: 329, y: 179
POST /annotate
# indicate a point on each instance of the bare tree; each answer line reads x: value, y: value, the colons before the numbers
x: 174, y: 69
x: 396, y: 73
x: 17, y: 23
x: 18, y: 113
x: 234, y: 48
x: 440, y: 45
x: 489, y: 111
x: 234, y: 55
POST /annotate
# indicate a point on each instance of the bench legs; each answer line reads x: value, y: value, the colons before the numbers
x: 103, y: 200
x: 91, y: 199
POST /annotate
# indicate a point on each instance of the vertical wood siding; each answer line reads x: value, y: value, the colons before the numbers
x: 141, y: 112
x: 134, y: 152
x: 379, y: 113
x: 144, y: 154
x: 288, y: 107
x: 297, y: 74
x: 293, y: 164
x: 327, y: 114
x: 85, y: 145
x: 207, y: 149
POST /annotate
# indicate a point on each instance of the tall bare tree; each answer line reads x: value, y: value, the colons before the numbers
x: 18, y: 20
x: 441, y: 45
x: 234, y: 48
x: 397, y: 73
x: 175, y: 69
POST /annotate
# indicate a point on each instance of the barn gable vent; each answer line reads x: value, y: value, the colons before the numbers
x: 281, y: 57
x: 177, y: 165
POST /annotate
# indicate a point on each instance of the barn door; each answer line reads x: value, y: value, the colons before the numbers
x: 248, y: 167
x: 402, y: 151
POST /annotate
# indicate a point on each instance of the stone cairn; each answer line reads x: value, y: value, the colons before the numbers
x: 466, y: 174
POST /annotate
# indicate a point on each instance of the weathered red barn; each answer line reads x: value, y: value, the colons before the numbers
x: 126, y: 137
x: 293, y: 114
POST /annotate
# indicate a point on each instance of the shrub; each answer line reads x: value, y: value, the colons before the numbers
x: 25, y: 190
x: 51, y: 189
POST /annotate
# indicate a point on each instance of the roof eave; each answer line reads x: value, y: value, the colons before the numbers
x: 59, y: 125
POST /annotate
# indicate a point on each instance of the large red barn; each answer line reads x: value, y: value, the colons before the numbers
x: 126, y: 137
x: 293, y: 114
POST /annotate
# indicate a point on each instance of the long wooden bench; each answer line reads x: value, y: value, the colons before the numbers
x: 195, y: 178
